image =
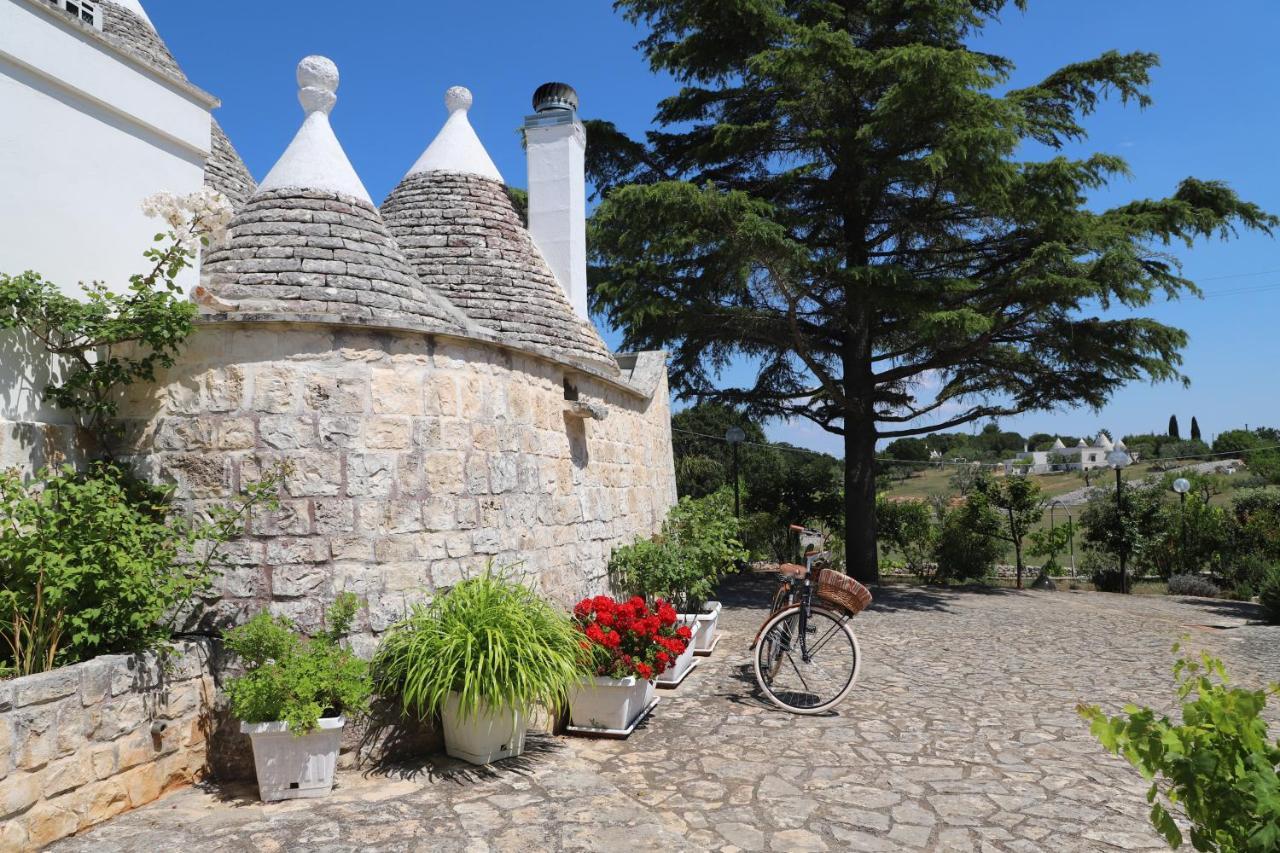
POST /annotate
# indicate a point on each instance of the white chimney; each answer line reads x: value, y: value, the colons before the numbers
x: 557, y: 143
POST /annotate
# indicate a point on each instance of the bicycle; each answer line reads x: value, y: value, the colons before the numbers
x: 806, y: 656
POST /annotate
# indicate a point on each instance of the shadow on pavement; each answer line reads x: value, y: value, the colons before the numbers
x: 441, y: 768
x: 1246, y: 610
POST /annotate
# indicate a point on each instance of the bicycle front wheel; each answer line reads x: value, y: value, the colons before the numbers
x: 809, y: 674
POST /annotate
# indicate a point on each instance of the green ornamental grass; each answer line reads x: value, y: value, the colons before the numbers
x: 491, y: 640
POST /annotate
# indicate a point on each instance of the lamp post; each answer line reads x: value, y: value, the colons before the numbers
x: 1182, y: 485
x: 1119, y: 459
x: 735, y: 435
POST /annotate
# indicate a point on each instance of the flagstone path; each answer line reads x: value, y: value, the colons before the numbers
x: 961, y: 735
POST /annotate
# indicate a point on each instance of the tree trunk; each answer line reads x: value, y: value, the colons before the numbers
x: 1017, y: 546
x: 860, y: 501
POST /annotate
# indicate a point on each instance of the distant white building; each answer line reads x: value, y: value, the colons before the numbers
x: 1060, y: 458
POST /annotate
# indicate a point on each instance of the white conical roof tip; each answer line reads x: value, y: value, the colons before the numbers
x: 314, y: 159
x: 317, y: 84
x: 456, y: 147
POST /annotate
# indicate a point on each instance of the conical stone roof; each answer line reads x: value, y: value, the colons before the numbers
x: 310, y: 241
x: 452, y: 216
x: 126, y: 24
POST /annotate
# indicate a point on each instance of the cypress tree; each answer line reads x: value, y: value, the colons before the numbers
x: 1173, y: 427
x: 1195, y: 429
x: 841, y: 195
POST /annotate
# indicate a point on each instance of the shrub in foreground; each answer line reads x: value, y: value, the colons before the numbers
x: 1269, y: 595
x: 1217, y: 769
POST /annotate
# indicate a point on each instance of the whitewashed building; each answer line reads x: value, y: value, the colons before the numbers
x: 1084, y: 456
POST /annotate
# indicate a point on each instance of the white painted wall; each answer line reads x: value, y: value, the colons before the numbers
x: 558, y: 200
x: 85, y: 135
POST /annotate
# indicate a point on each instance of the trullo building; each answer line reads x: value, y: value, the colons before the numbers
x: 426, y: 371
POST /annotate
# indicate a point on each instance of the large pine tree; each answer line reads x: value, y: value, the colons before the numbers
x: 839, y: 194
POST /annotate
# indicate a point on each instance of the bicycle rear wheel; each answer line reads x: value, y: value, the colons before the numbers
x: 807, y: 684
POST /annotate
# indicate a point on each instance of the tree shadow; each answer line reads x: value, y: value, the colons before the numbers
x: 437, y: 768
x: 1255, y: 614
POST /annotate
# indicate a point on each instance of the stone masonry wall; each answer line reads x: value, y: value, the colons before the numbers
x: 77, y: 745
x: 412, y: 460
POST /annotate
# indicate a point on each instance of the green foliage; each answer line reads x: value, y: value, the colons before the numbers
x: 1173, y: 427
x: 911, y: 528
x: 700, y: 543
x: 1049, y: 542
x: 1216, y: 769
x: 97, y: 562
x: 843, y: 196
x: 1020, y: 504
x: 288, y: 677
x: 764, y: 536
x: 1269, y: 594
x: 1195, y: 585
x: 969, y: 544
x: 491, y: 640
x: 109, y: 340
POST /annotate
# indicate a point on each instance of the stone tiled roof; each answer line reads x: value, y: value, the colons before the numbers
x: 318, y: 252
x: 462, y: 235
x: 225, y: 170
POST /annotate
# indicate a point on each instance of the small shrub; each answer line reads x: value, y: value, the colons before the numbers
x: 1194, y: 585
x: 97, y: 563
x: 298, y: 680
x: 1269, y: 595
x: 1102, y: 569
x: 764, y: 536
x: 1216, y: 769
x: 966, y: 550
x: 491, y: 640
x: 626, y: 638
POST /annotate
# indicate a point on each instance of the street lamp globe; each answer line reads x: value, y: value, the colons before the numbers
x: 1182, y: 485
x: 735, y: 435
x: 1119, y: 458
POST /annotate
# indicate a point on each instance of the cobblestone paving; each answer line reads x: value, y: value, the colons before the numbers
x: 961, y: 735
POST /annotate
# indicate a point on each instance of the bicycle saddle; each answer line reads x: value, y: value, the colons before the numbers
x: 792, y: 570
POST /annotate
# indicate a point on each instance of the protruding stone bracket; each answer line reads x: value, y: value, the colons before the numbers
x: 585, y: 410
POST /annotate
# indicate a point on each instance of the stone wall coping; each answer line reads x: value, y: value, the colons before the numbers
x: 110, y: 675
x: 639, y: 379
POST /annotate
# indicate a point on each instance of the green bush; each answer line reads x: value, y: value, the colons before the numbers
x: 97, y: 563
x: 764, y: 536
x: 489, y: 639
x: 298, y: 680
x: 910, y: 528
x: 1269, y: 595
x: 967, y: 546
x: 1217, y: 768
x: 1194, y: 585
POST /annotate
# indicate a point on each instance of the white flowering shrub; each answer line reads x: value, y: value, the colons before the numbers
x: 106, y: 339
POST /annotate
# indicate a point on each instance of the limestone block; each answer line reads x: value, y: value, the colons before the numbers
x: 292, y: 518
x: 287, y: 432
x: 275, y: 390
x: 397, y: 391
x: 476, y: 473
x: 73, y: 726
x: 45, y: 687
x: 99, y: 802
x: 426, y: 433
x: 351, y: 548
x: 333, y: 516
x: 13, y: 835
x: 442, y: 395
x: 446, y: 573
x: 142, y: 784
x: 49, y: 821
x: 197, y: 475
x: 35, y: 736
x: 67, y: 773
x: 395, y: 549
x: 429, y: 546
x: 120, y: 716
x: 290, y: 551
x: 356, y: 577
x: 6, y: 746
x: 186, y: 433
x: 485, y: 541
x: 458, y: 544
x: 17, y: 792
x: 300, y: 581
x: 370, y: 474
x: 102, y: 758
x: 402, y: 577
x: 466, y: 514
x: 340, y: 432
x: 437, y: 513
x: 222, y: 390
x: 504, y: 472
x: 236, y: 434
x: 328, y: 394
x: 313, y: 474
x: 388, y: 432
x: 484, y: 436
x: 411, y: 475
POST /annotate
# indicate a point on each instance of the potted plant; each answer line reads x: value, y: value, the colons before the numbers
x: 705, y: 535
x: 292, y: 698
x: 481, y: 656
x: 627, y: 646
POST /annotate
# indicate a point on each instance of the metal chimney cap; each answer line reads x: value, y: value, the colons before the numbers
x: 555, y: 96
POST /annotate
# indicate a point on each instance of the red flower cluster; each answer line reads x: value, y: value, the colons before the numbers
x: 626, y: 638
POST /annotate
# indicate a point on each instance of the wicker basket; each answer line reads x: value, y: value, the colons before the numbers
x: 842, y: 591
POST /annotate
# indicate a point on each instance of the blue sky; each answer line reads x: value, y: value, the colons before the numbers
x: 1216, y: 115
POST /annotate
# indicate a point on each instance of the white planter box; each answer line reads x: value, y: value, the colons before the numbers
x: 485, y: 737
x: 291, y: 766
x: 612, y: 704
x: 678, y: 670
x: 708, y: 626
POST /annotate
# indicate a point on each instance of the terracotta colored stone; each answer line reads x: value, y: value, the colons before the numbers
x: 49, y: 821
x: 142, y: 783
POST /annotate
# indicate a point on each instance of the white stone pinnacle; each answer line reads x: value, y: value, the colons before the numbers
x: 314, y: 159
x: 456, y: 147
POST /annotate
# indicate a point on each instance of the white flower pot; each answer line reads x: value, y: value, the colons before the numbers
x: 675, y: 673
x: 291, y: 766
x: 485, y: 737
x: 708, y: 625
x: 612, y: 704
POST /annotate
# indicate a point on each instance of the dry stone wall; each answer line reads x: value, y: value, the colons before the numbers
x: 411, y: 459
x: 83, y: 743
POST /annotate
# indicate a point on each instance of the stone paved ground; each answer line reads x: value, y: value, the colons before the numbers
x: 961, y: 735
